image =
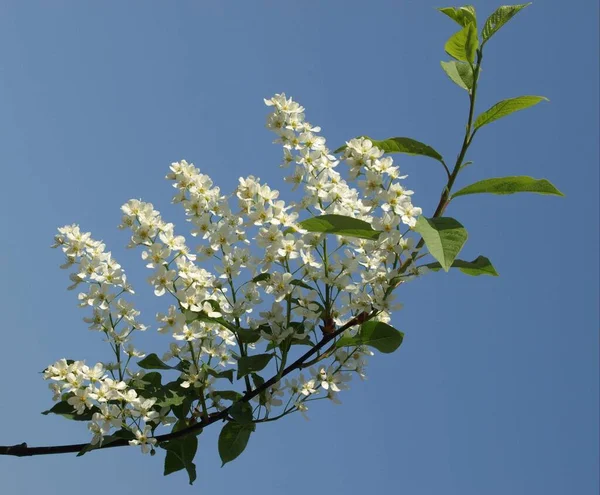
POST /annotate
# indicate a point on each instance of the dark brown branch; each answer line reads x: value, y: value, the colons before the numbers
x: 22, y: 450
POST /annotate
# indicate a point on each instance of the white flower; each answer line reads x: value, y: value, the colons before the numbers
x: 143, y: 439
x: 162, y: 280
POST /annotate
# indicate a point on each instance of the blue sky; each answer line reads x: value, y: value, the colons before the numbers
x: 495, y: 389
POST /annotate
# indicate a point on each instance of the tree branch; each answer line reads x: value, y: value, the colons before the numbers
x: 22, y: 450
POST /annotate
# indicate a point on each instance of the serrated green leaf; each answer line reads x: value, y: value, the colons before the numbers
x: 510, y: 185
x: 233, y: 440
x: 462, y: 15
x: 460, y: 73
x: 463, y: 44
x: 376, y: 334
x: 340, y: 225
x: 506, y: 107
x: 153, y: 362
x: 250, y: 364
x: 499, y: 18
x: 180, y: 454
x: 66, y: 410
x: 444, y: 237
x: 479, y: 266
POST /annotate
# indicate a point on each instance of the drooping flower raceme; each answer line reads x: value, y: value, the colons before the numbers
x: 258, y: 286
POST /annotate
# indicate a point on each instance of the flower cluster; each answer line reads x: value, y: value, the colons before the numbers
x: 110, y: 403
x: 105, y: 283
x: 241, y: 305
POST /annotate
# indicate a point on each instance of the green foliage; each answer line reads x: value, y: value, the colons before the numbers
x: 227, y: 374
x: 376, y: 334
x: 340, y: 225
x: 459, y: 72
x: 404, y: 145
x: 231, y: 395
x: 233, y: 440
x: 463, y: 15
x: 251, y: 364
x: 247, y: 335
x: 510, y: 185
x: 66, y: 410
x: 499, y: 18
x: 506, y: 107
x: 153, y: 362
x: 261, y: 278
x: 479, y: 266
x: 241, y: 412
x: 181, y: 452
x: 443, y: 236
x: 463, y: 44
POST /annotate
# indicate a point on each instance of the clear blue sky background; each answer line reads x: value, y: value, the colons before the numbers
x: 495, y: 390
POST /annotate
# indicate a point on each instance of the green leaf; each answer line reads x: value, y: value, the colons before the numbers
x: 248, y: 336
x: 180, y: 454
x: 300, y: 283
x: 506, y: 107
x: 233, y: 440
x: 220, y: 374
x: 261, y: 277
x: 499, y: 18
x: 63, y: 408
x: 479, y: 266
x: 231, y: 395
x: 404, y: 145
x: 376, y: 334
x: 460, y: 73
x: 241, y: 412
x: 153, y: 362
x: 190, y: 316
x: 510, y: 185
x: 444, y: 238
x: 171, y: 398
x: 250, y: 364
x: 176, y: 397
x: 259, y: 382
x: 463, y: 44
x: 462, y: 15
x: 340, y: 225
x: 150, y: 383
x: 181, y: 410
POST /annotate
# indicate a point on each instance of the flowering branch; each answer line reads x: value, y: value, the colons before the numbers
x: 326, y: 282
x: 23, y: 450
